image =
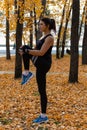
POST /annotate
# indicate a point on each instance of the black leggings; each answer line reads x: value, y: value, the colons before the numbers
x: 42, y: 67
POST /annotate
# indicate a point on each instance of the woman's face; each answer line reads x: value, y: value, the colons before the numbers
x: 42, y: 26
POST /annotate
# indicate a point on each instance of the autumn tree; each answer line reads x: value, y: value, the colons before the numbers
x: 6, y: 6
x: 59, y: 32
x: 31, y: 32
x: 19, y: 31
x: 82, y: 22
x: 24, y: 16
x: 44, y: 7
x: 84, y: 46
x: 39, y: 34
x: 7, y: 32
x: 65, y: 28
x: 73, y: 74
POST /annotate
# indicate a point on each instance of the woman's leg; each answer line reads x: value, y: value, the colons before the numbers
x: 26, y: 61
x: 42, y: 67
x: 41, y: 81
x: 26, y: 75
x: 26, y: 57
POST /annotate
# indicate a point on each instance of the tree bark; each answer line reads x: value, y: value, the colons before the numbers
x: 31, y: 33
x: 18, y: 60
x: 59, y: 33
x: 7, y: 36
x: 73, y: 74
x: 65, y: 30
x: 44, y: 7
x: 84, y: 46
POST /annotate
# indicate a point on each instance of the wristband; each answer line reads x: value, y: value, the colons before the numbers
x: 26, y: 50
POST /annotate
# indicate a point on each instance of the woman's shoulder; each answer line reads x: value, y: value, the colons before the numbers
x: 49, y: 36
x: 49, y: 39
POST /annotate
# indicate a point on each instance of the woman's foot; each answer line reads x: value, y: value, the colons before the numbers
x: 40, y: 119
x: 26, y: 78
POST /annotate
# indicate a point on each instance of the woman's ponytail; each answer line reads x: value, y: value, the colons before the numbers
x: 53, y: 25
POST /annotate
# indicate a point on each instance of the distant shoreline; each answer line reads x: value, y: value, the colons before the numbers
x: 12, y: 51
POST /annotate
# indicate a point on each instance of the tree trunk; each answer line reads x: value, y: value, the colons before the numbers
x: 59, y: 33
x: 35, y: 24
x: 84, y: 47
x: 31, y: 38
x: 38, y: 32
x: 31, y: 33
x: 7, y: 36
x: 73, y: 74
x: 83, y: 14
x: 18, y: 60
x: 64, y: 35
x: 44, y: 7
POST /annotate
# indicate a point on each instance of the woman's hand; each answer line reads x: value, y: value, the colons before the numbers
x: 24, y: 49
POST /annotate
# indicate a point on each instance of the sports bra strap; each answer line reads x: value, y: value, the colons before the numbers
x: 48, y: 35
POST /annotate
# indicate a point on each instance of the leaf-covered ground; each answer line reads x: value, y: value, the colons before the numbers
x: 67, y: 103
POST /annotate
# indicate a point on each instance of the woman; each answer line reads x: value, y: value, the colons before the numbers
x: 42, y: 59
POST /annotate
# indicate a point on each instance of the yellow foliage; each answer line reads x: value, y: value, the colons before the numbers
x: 1, y: 25
x: 9, y: 10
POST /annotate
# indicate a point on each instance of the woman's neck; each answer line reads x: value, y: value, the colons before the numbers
x: 46, y: 33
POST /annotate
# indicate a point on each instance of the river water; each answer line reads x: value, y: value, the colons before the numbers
x: 12, y: 51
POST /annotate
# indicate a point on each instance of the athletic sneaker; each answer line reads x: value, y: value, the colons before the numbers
x: 40, y: 120
x: 25, y: 78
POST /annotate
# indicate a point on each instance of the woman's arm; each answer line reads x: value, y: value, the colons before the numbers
x: 47, y: 44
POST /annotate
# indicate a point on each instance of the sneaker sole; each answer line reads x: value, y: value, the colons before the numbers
x: 41, y: 122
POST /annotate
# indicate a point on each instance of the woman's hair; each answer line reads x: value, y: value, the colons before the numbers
x: 50, y: 22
